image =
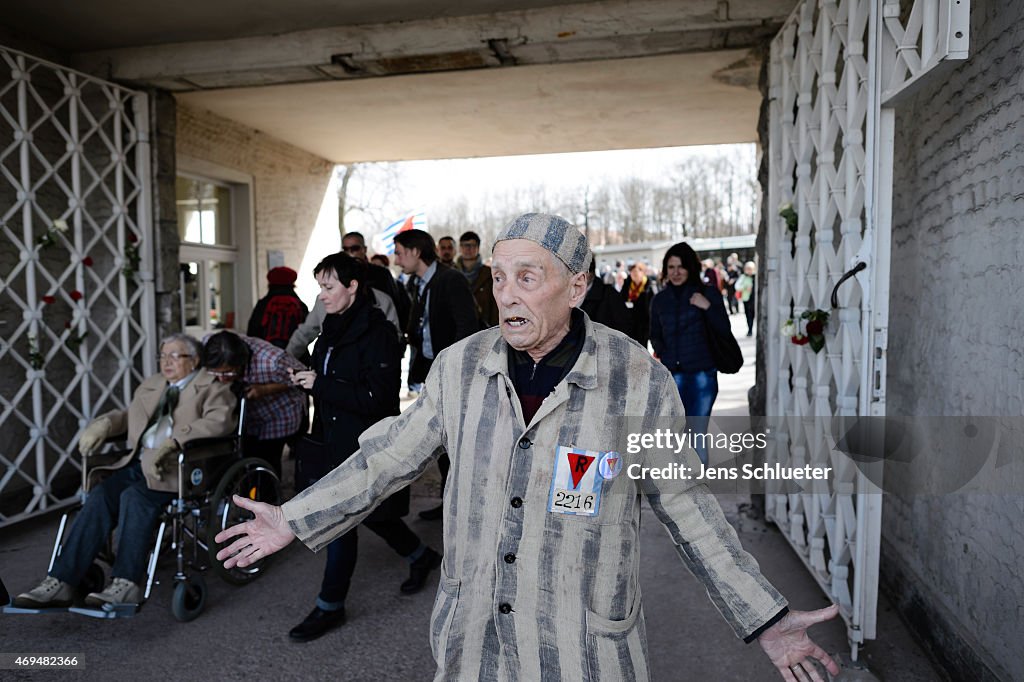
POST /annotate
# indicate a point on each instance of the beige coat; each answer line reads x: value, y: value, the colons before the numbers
x: 206, y: 409
x: 527, y: 594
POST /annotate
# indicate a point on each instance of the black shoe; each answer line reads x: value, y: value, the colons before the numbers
x: 432, y: 514
x: 420, y: 570
x: 316, y: 624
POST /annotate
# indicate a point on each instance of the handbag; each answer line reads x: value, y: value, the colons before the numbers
x: 725, y: 350
x: 312, y: 462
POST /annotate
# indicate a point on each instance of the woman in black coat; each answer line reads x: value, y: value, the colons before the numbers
x: 680, y: 314
x: 637, y: 293
x: 354, y: 382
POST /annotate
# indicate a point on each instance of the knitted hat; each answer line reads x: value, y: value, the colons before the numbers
x: 553, y: 233
x: 281, y: 276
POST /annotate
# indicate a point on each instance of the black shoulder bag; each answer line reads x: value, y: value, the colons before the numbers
x: 725, y: 350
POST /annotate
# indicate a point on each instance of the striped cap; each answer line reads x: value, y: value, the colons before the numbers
x: 555, y: 234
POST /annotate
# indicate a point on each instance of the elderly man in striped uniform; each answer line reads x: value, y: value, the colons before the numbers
x: 541, y: 564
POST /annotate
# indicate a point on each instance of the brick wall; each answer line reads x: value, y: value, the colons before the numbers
x: 953, y: 561
x: 289, y: 184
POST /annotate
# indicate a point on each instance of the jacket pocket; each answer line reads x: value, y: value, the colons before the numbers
x: 611, y: 645
x: 443, y: 615
x: 599, y: 626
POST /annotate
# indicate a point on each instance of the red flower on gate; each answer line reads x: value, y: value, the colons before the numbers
x: 800, y: 340
x: 815, y: 328
x: 131, y: 237
x: 48, y: 300
x: 76, y: 295
x: 87, y: 261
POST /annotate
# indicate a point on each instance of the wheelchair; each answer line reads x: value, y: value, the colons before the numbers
x: 210, y: 471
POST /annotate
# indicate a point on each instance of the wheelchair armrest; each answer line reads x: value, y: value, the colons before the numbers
x: 204, y: 448
x: 102, y: 459
x: 104, y: 456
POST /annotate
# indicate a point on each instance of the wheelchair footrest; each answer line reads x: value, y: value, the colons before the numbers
x: 107, y: 611
x: 15, y: 609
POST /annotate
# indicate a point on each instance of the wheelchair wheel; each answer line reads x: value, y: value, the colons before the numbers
x: 189, y: 598
x: 252, y: 478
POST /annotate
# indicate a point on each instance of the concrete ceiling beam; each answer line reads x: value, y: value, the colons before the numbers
x: 611, y: 29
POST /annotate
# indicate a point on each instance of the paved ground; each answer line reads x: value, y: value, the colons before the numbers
x: 243, y: 632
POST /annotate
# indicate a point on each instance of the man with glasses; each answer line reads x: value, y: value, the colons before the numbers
x: 478, y: 276
x: 180, y: 404
x: 379, y: 277
x: 261, y: 373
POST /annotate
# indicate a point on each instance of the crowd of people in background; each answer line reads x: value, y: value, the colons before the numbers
x: 731, y: 277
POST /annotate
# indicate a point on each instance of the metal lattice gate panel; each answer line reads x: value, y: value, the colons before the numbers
x: 76, y: 292
x: 837, y: 68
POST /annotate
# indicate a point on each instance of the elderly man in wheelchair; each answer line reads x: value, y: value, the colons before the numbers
x: 182, y: 404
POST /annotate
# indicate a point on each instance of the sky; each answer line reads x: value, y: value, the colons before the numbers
x: 430, y: 185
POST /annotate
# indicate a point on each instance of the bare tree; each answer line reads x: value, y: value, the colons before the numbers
x: 372, y: 189
x: 701, y: 196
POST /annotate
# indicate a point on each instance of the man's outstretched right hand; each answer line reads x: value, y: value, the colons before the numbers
x: 260, y: 537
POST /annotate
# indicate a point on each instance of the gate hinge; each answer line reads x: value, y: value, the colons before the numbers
x: 879, y: 349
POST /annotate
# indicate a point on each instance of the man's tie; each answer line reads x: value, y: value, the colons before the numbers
x: 170, y: 400
x: 165, y: 408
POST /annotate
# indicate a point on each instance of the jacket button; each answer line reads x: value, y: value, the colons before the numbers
x: 517, y: 502
x: 510, y: 558
x: 525, y: 443
x: 505, y: 608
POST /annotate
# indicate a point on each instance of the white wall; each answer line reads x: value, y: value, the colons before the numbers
x: 955, y: 346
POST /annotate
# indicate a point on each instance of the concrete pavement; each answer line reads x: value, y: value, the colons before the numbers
x: 243, y: 632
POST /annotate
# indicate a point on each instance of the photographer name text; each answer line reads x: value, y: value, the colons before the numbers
x: 747, y: 472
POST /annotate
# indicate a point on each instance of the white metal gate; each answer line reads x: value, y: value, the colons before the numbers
x: 76, y: 289
x: 837, y: 68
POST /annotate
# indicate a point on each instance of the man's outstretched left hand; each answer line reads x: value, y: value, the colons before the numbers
x: 790, y: 649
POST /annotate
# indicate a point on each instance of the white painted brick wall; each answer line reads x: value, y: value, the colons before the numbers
x: 955, y: 343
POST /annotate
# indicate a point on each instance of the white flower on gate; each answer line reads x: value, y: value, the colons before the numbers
x: 60, y: 225
x: 789, y: 328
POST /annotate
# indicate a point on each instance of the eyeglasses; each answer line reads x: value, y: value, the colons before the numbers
x: 172, y: 356
x: 353, y: 249
x: 224, y: 375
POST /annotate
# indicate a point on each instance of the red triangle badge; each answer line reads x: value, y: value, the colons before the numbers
x: 578, y: 465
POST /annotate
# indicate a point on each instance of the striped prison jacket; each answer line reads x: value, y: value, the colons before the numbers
x: 526, y: 593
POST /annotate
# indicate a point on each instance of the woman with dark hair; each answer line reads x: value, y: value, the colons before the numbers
x: 260, y: 372
x: 354, y: 382
x: 679, y: 315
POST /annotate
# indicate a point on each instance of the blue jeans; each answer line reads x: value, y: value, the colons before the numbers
x: 698, y: 391
x: 125, y: 498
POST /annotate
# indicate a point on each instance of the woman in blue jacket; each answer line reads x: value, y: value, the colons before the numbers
x: 679, y: 314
